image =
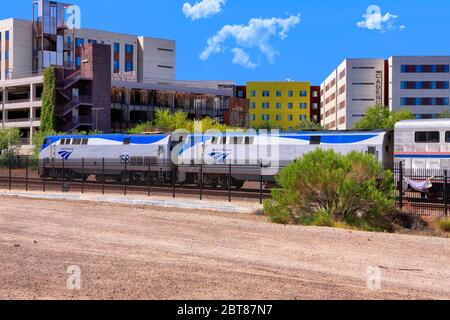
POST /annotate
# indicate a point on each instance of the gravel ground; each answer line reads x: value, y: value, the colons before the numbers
x: 132, y: 252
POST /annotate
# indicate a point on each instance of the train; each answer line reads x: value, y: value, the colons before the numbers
x: 244, y: 156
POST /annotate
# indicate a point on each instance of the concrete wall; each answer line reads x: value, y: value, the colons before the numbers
x: 20, y: 47
x: 156, y: 59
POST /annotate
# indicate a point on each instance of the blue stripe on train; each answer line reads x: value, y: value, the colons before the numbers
x: 422, y: 156
x: 335, y: 139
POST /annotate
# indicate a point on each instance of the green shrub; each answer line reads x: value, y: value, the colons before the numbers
x: 328, y: 188
x: 444, y: 224
x: 48, y: 116
x: 9, y: 142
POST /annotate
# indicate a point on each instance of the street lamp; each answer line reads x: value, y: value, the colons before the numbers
x: 96, y: 116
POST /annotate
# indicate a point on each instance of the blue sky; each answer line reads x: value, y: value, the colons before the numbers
x: 319, y: 34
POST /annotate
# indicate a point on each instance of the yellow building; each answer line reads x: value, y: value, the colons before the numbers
x: 281, y: 105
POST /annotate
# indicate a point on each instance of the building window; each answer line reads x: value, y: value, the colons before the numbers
x: 279, y: 105
x: 253, y: 93
x: 79, y: 42
x: 315, y: 106
x: 116, y: 66
x: 240, y: 94
x: 129, y: 66
x: 426, y: 68
x: 290, y: 117
x: 116, y: 57
x: 279, y: 93
x: 315, y: 94
x: 252, y: 117
x: 427, y: 137
x: 7, y: 35
x: 90, y: 41
x: 265, y: 117
x: 424, y: 101
x: 290, y: 105
x: 302, y: 117
x: 342, y: 74
x: 253, y: 105
x: 266, y: 93
x: 290, y: 93
x: 266, y: 105
x: 424, y: 85
x: 129, y: 48
x: 303, y: 93
x: 303, y: 106
x: 78, y: 61
x: 342, y: 89
x: 278, y: 117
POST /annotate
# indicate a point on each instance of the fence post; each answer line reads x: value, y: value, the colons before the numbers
x: 400, y: 185
x: 261, y: 184
x: 125, y: 179
x: 229, y: 182
x: 26, y: 174
x: 149, y: 173
x: 10, y: 174
x: 44, y: 175
x: 446, y: 192
x: 201, y: 180
x: 82, y: 175
x: 103, y: 176
x: 174, y: 189
x: 63, y: 174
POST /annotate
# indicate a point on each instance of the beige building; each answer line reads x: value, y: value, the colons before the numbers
x: 353, y: 87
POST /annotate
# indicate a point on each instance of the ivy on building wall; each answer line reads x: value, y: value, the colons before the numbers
x: 48, y: 116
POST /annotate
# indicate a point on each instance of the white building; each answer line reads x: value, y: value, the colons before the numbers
x: 353, y: 87
x: 420, y: 84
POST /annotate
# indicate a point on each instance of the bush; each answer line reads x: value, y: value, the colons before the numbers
x: 444, y: 224
x: 327, y: 188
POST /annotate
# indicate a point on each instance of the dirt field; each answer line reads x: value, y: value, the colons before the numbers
x: 148, y: 253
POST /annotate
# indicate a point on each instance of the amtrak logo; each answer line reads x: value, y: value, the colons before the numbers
x: 219, y: 156
x: 65, y: 154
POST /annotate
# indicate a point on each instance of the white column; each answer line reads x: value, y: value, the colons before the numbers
x: 5, y: 92
x: 31, y: 110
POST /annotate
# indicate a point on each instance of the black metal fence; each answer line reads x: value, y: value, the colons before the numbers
x: 148, y: 177
x: 131, y: 177
x: 423, y: 192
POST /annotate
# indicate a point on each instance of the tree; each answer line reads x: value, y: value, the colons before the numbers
x: 326, y: 186
x: 380, y: 117
x: 309, y: 125
x: 445, y: 115
x: 168, y: 122
x: 48, y: 117
x: 9, y: 142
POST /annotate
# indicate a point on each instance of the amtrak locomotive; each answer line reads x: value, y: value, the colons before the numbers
x: 143, y: 158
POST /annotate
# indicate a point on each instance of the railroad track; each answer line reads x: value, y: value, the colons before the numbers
x: 130, y: 189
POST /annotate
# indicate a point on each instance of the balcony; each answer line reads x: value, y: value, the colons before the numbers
x: 79, y: 122
x: 76, y: 102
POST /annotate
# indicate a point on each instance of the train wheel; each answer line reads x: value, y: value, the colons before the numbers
x: 238, y: 184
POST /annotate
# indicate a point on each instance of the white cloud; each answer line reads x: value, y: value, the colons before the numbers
x: 256, y: 34
x: 203, y: 9
x: 375, y: 20
x: 242, y: 58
